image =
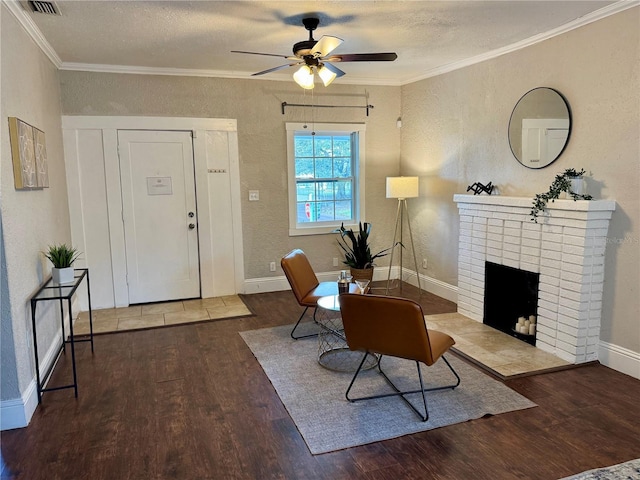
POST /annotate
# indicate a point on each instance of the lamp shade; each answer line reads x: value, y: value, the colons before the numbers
x: 402, y: 187
x: 304, y: 77
x: 326, y: 75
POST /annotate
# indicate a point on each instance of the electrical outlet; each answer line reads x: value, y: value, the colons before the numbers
x: 272, y: 267
x: 254, y: 195
x: 424, y: 263
x: 335, y: 261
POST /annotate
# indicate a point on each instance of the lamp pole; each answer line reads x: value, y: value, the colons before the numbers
x: 402, y: 188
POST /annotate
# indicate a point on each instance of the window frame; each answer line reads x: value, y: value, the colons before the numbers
x: 295, y: 228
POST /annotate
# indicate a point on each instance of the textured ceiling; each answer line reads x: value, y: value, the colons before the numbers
x: 197, y: 36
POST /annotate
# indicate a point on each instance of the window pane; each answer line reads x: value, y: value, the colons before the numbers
x: 305, y: 191
x: 325, y: 211
x: 342, y: 146
x: 343, y: 190
x: 343, y: 211
x: 325, y: 190
x: 342, y: 167
x: 306, y: 212
x: 323, y: 146
x: 323, y: 168
x: 303, y: 146
x: 304, y: 167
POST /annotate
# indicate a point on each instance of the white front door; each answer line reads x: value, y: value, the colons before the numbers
x: 159, y: 215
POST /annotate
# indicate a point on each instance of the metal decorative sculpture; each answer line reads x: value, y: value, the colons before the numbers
x: 478, y: 188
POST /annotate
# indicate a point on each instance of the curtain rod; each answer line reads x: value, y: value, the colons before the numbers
x: 285, y: 104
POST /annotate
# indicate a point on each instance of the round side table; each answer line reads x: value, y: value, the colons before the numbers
x: 333, y: 351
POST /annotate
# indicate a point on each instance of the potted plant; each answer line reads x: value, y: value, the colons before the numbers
x: 357, y: 252
x: 62, y: 257
x: 570, y: 182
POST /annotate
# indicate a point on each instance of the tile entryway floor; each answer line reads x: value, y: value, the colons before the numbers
x: 160, y: 314
x: 498, y: 352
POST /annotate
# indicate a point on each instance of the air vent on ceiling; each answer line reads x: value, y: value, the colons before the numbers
x: 48, y: 8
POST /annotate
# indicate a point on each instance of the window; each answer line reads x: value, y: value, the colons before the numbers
x: 326, y: 176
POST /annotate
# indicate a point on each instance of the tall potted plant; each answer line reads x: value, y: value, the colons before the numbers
x: 62, y: 257
x: 357, y: 253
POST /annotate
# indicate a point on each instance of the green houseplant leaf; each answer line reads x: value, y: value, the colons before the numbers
x: 62, y: 256
x: 357, y: 253
x: 560, y: 184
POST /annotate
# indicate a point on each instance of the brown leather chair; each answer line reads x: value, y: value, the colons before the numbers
x: 305, y: 285
x: 381, y: 325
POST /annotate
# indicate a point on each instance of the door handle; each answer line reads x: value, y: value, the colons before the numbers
x: 192, y: 226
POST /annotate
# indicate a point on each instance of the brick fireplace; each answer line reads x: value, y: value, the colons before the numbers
x: 566, y: 248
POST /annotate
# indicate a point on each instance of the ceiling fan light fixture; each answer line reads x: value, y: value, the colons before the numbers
x: 326, y: 75
x: 304, y: 77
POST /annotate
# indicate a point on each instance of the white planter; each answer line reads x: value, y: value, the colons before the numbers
x: 577, y: 185
x: 62, y: 275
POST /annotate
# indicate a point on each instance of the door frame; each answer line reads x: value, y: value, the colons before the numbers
x: 205, y: 166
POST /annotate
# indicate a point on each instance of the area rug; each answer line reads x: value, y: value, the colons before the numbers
x: 314, y: 395
x: 623, y: 471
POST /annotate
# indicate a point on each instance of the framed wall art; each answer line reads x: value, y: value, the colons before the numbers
x: 29, y: 155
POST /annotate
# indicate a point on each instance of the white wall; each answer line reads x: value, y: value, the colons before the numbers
x: 455, y: 133
x: 31, y: 220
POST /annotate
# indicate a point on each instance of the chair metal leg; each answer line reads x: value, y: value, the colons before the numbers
x: 298, y: 323
x: 401, y: 393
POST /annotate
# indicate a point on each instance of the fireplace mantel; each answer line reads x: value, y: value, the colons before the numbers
x: 566, y: 247
x: 527, y: 202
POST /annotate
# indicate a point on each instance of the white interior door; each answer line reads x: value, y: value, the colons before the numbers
x: 159, y: 215
x: 543, y: 139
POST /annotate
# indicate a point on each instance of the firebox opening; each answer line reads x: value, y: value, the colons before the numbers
x: 510, y: 293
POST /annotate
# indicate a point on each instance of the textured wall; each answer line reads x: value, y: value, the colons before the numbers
x: 31, y: 219
x: 455, y: 133
x: 256, y: 104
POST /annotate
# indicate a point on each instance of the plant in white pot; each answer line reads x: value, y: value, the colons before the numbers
x: 570, y: 182
x: 62, y: 257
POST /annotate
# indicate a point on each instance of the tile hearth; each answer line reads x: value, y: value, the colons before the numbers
x: 501, y: 354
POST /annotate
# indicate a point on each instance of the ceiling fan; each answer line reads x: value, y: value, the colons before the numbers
x: 314, y: 56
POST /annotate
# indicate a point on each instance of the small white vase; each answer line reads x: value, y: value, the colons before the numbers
x: 577, y: 185
x: 62, y: 275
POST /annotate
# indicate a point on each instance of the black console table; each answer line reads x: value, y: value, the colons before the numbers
x: 60, y: 291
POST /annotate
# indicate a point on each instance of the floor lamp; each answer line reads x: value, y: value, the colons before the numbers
x: 402, y: 188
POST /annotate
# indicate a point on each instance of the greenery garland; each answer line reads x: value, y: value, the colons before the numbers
x: 560, y: 184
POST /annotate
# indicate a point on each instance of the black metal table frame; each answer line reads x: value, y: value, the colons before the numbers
x: 65, y: 292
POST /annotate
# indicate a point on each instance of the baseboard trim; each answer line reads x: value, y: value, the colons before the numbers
x: 620, y: 359
x: 17, y: 412
x: 431, y: 285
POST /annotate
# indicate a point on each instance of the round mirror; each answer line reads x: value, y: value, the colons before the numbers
x: 539, y: 127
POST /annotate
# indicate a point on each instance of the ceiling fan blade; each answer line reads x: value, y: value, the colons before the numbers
x: 325, y: 45
x: 274, y: 69
x: 334, y: 69
x: 362, y: 57
x: 257, y: 53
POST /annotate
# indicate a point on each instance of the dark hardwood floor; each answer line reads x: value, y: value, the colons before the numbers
x: 191, y: 402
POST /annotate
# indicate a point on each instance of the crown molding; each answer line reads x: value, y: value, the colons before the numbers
x: 604, y: 12
x: 187, y: 72
x: 33, y: 31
